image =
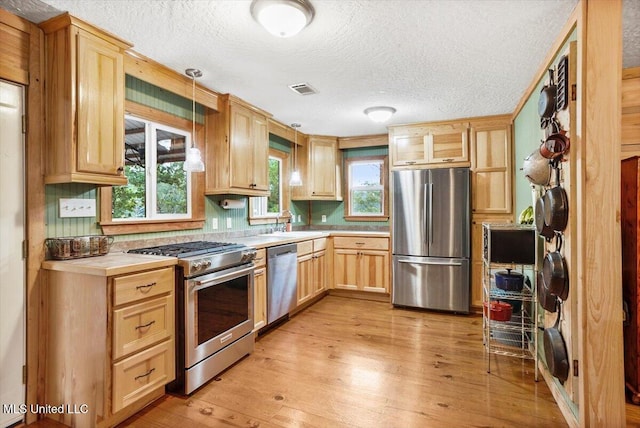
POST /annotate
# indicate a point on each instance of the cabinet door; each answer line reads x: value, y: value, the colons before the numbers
x: 100, y: 108
x: 259, y: 298
x: 305, y: 278
x: 242, y: 149
x: 345, y: 265
x: 373, y: 270
x: 323, y: 168
x: 448, y: 143
x: 319, y: 272
x: 408, y: 146
x: 260, y: 153
x: 491, y: 170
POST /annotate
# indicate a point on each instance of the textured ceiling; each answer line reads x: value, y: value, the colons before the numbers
x: 431, y: 60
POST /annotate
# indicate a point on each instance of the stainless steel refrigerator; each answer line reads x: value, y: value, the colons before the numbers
x: 431, y: 239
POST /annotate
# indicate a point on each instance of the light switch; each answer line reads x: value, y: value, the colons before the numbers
x: 214, y: 223
x: 324, y: 218
x: 77, y: 207
x: 229, y: 223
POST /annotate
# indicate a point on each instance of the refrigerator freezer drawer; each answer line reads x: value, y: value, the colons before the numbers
x: 431, y: 283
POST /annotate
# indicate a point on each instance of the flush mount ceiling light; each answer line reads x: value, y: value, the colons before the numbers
x: 379, y: 114
x: 282, y: 18
x: 193, y: 161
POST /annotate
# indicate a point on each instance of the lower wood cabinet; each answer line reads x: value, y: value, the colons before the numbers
x: 110, y: 338
x: 361, y: 263
x: 312, y: 269
x: 260, y: 290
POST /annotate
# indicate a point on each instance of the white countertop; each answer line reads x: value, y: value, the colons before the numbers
x: 281, y: 238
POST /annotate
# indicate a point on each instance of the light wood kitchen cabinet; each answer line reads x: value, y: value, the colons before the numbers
x: 260, y: 290
x: 110, y: 337
x: 84, y: 101
x: 361, y: 263
x: 319, y: 163
x: 429, y: 144
x: 630, y: 113
x: 491, y: 166
x: 237, y: 150
x: 311, y: 269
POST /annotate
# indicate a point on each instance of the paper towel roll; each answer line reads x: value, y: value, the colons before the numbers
x: 232, y: 203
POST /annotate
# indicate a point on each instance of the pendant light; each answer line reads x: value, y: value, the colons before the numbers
x: 295, y: 180
x: 193, y: 161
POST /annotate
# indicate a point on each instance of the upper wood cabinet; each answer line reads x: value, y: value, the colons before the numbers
x: 84, y: 87
x: 319, y: 164
x: 237, y: 154
x: 429, y: 144
x: 491, y: 166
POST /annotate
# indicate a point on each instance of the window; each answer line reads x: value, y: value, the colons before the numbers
x: 367, y: 189
x: 159, y: 195
x: 265, y: 209
x: 158, y: 187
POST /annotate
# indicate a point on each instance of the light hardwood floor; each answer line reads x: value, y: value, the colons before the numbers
x: 354, y: 363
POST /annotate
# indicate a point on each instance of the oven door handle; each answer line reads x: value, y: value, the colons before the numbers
x: 219, y: 279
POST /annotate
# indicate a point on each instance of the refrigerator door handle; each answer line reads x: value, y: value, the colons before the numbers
x: 426, y: 220
x: 433, y: 262
x: 430, y: 213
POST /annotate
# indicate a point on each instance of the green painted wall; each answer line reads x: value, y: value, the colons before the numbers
x: 527, y: 138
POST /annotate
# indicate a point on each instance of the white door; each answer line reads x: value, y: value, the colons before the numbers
x: 12, y: 264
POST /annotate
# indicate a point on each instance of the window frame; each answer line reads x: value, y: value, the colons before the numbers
x: 196, y: 220
x: 285, y: 191
x: 384, y: 216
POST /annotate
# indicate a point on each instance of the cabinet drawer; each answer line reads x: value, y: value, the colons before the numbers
x: 261, y: 258
x: 141, y: 325
x: 130, y: 288
x: 319, y: 244
x: 136, y: 376
x: 361, y: 243
x: 305, y: 247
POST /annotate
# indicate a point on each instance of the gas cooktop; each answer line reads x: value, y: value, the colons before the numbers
x: 200, y: 257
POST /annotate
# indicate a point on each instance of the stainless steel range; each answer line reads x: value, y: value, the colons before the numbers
x: 214, y: 308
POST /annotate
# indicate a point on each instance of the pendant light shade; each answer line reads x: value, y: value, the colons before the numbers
x: 193, y: 161
x: 296, y: 179
x: 282, y: 18
x: 380, y: 114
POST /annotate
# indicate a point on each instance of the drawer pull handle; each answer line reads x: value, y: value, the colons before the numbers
x: 359, y: 243
x: 149, y: 324
x: 145, y: 375
x: 145, y: 288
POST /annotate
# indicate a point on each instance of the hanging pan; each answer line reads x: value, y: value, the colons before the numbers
x: 555, y: 351
x: 541, y: 227
x: 554, y: 271
x: 556, y: 206
x: 548, y: 301
x: 547, y: 99
x: 556, y: 143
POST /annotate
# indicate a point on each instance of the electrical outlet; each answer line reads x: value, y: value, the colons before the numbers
x: 228, y: 222
x: 324, y: 218
x: 299, y: 218
x: 214, y: 223
x: 77, y: 207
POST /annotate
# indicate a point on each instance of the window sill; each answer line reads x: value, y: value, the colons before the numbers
x: 145, y: 226
x: 366, y: 218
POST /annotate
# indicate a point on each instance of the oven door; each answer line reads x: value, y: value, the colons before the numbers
x: 219, y: 310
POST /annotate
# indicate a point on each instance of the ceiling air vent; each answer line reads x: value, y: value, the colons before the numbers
x: 303, y: 89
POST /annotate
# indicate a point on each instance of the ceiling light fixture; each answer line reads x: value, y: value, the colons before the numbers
x: 282, y: 18
x: 193, y: 161
x: 379, y: 114
x: 295, y: 180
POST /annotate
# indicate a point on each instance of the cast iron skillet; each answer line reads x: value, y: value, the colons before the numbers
x: 543, y: 230
x: 548, y: 301
x: 556, y: 206
x: 547, y: 100
x: 554, y: 271
x: 555, y: 352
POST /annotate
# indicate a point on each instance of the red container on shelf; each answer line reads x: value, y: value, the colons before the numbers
x: 498, y: 311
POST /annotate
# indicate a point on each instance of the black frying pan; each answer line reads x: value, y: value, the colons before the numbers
x: 547, y: 99
x: 542, y: 228
x: 556, y: 206
x: 554, y: 272
x: 555, y: 352
x: 548, y: 301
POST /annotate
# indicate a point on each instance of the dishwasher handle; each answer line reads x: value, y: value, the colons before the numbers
x: 281, y: 250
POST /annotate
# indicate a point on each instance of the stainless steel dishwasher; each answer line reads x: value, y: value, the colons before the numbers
x: 282, y: 277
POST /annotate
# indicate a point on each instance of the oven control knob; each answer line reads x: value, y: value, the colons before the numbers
x: 206, y: 264
x: 249, y: 255
x: 196, y: 265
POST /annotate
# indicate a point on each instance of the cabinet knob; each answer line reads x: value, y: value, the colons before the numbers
x: 120, y: 169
